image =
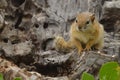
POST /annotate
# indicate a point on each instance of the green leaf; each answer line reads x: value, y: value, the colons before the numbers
x: 109, y: 71
x: 18, y: 78
x: 86, y: 76
x: 1, y: 76
x: 118, y: 70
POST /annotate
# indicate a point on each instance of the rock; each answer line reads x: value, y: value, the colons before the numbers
x: 95, y: 6
x: 67, y: 10
x: 57, y: 78
x: 10, y: 71
x: 3, y: 4
x: 28, y: 29
x: 63, y: 10
x: 112, y: 44
x: 17, y: 3
x: 53, y: 58
x: 46, y: 30
x: 1, y: 21
x: 109, y: 19
x: 89, y: 62
x: 117, y: 27
x: 20, y: 49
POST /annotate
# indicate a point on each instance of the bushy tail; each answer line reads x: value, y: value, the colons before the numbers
x: 62, y: 45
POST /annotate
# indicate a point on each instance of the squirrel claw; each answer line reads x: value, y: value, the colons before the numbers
x: 87, y: 49
x: 80, y: 50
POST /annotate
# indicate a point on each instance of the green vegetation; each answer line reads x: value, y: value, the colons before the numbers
x: 1, y: 76
x: 109, y: 71
x: 16, y: 78
x: 87, y: 76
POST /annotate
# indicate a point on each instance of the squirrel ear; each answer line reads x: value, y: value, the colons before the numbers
x: 92, y: 17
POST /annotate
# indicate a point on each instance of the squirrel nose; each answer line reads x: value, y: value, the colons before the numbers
x: 79, y: 28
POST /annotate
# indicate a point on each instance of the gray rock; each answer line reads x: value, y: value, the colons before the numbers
x: 27, y: 38
x: 1, y: 21
x: 20, y: 49
x: 111, y: 10
x: 89, y: 62
x: 53, y: 57
x: 57, y: 78
x: 3, y: 4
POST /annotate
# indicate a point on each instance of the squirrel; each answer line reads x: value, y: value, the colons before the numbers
x: 86, y: 33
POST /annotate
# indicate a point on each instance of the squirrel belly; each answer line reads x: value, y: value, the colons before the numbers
x: 85, y: 33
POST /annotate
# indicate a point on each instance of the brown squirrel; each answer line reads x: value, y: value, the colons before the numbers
x: 85, y: 33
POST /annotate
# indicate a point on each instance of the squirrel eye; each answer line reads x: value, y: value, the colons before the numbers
x: 76, y: 21
x: 87, y: 22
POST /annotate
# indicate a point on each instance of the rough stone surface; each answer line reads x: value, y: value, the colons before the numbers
x: 89, y: 62
x: 28, y: 29
x: 111, y: 10
x: 10, y: 71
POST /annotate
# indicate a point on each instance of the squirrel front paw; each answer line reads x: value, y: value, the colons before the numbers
x: 88, y: 48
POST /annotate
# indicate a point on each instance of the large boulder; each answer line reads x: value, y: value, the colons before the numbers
x: 110, y: 17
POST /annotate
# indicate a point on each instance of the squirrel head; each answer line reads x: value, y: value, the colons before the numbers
x: 84, y: 21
